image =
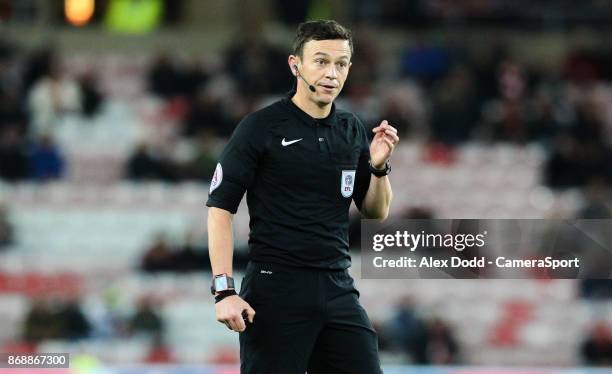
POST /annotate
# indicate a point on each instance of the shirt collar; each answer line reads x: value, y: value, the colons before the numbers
x: 330, y: 120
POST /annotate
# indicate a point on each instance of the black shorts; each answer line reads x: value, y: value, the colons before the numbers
x: 306, y: 320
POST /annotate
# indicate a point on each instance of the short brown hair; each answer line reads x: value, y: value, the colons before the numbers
x: 320, y: 30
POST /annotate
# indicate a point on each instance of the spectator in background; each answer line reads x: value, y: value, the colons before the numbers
x: 456, y: 111
x: 485, y: 62
x: 158, y: 257
x: 38, y: 65
x: 6, y: 228
x: 548, y: 114
x: 206, y: 116
x: 596, y: 289
x: 442, y: 347
x: 505, y: 117
x: 563, y: 168
x: 193, y: 78
x: 106, y: 317
x: 189, y: 259
x: 596, y: 350
x: 52, y: 97
x: 590, y: 115
x: 408, y: 331
x: 582, y: 65
x: 13, y: 156
x: 384, y: 343
x: 11, y: 112
x: 257, y: 67
x: 425, y: 62
x: 597, y: 200
x: 40, y: 322
x: 146, y: 320
x: 595, y: 161
x: 74, y: 324
x: 145, y: 165
x: 359, y: 90
x: 45, y: 160
x: 163, y: 78
x: 573, y: 163
x: 204, y: 161
x: 168, y: 80
x: 91, y: 98
x: 404, y: 103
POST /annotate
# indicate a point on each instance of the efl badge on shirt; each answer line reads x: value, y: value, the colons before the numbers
x: 216, y: 179
x: 347, y: 183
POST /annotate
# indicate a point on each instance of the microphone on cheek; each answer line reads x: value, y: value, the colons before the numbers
x: 310, y: 86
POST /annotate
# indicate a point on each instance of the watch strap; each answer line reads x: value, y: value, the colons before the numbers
x: 223, y: 294
x: 380, y: 172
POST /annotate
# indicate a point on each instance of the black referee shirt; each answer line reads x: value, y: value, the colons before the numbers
x: 300, y: 175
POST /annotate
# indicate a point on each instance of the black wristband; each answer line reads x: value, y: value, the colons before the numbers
x: 380, y: 172
x: 223, y: 294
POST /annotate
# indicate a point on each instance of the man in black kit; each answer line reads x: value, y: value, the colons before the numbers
x: 301, y: 161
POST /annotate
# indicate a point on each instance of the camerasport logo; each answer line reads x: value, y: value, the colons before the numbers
x: 217, y: 178
x: 347, y: 183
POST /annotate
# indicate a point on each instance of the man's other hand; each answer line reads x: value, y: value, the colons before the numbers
x: 229, y: 312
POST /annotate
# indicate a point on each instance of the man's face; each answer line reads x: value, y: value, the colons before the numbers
x: 325, y: 65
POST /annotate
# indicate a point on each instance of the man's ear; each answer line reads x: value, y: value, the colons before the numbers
x: 293, y: 61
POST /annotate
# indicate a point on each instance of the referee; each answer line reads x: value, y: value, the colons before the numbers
x: 301, y: 161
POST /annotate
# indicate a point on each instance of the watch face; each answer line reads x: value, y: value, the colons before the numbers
x: 221, y: 284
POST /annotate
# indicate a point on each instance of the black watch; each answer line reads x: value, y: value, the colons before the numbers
x: 380, y: 172
x: 221, y: 282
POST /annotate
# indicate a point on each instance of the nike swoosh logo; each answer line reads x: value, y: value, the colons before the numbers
x: 285, y: 143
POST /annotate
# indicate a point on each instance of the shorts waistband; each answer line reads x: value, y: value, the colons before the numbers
x: 257, y: 265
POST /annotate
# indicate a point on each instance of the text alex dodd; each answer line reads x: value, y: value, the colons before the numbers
x: 428, y: 262
x: 480, y: 262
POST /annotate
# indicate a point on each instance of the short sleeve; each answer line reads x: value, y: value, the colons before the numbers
x: 237, y: 165
x: 363, y: 167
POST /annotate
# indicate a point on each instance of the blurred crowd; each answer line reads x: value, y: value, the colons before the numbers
x: 426, y: 339
x: 35, y: 93
x: 444, y: 93
x: 185, y: 257
x: 62, y: 318
x: 423, y: 340
x: 410, y: 333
